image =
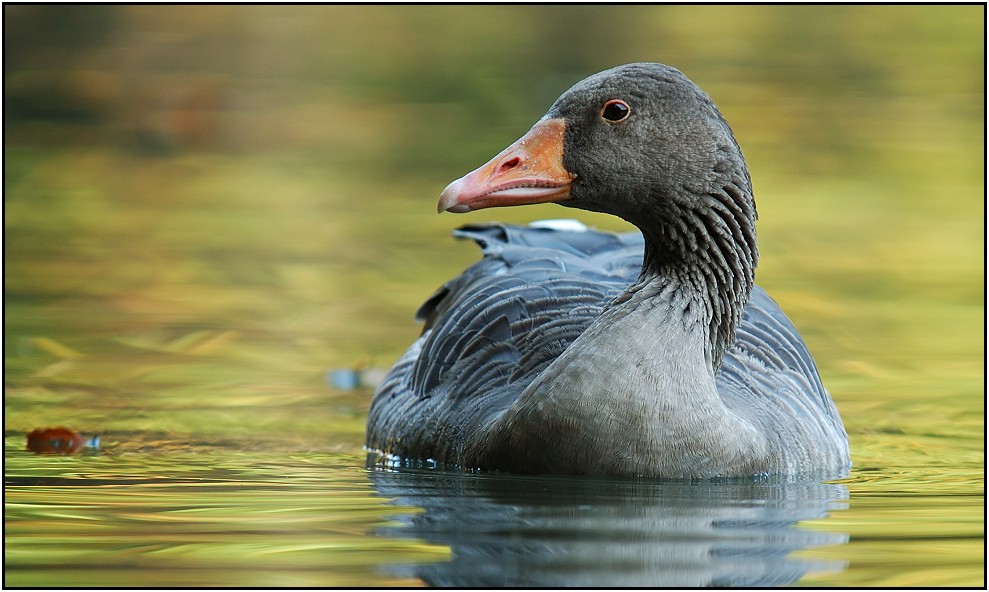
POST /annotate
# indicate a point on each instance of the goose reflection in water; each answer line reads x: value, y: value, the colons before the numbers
x: 507, y: 530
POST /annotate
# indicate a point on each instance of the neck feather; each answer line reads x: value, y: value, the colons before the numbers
x: 705, y: 247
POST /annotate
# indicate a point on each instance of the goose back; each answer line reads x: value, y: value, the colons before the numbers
x: 489, y: 332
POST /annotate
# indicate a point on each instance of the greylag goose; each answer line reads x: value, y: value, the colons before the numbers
x: 571, y: 351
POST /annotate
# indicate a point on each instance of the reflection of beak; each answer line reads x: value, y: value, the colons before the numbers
x: 530, y: 171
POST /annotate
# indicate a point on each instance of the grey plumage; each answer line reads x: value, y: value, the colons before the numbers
x: 491, y: 330
x: 633, y: 354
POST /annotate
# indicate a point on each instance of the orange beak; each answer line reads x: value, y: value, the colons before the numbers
x: 530, y: 171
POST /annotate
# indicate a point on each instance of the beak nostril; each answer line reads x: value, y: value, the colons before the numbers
x: 510, y: 164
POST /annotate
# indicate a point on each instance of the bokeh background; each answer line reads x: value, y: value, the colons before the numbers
x: 206, y: 208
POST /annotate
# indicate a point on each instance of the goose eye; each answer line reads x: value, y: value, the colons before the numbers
x: 615, y: 110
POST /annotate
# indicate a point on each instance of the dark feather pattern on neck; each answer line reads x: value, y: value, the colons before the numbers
x: 708, y: 250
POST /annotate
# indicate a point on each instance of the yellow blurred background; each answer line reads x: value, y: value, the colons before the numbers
x: 208, y: 207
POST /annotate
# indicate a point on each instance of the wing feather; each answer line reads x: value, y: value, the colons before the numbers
x: 491, y: 330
